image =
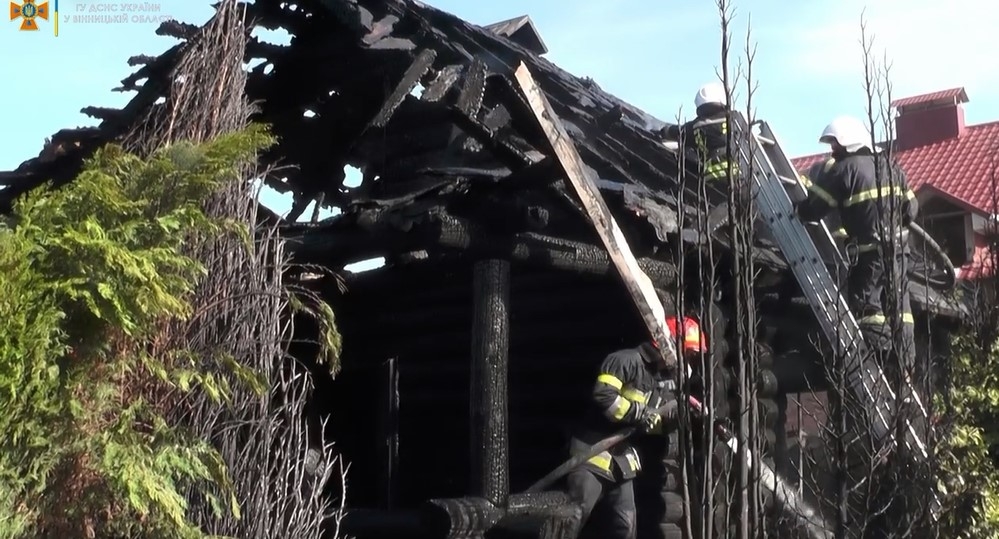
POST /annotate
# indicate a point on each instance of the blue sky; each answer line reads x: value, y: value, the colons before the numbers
x: 651, y: 53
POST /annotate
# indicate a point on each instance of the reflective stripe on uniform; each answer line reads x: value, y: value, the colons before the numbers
x: 632, y: 457
x: 601, y: 460
x: 872, y: 194
x: 626, y: 396
x: 880, y: 319
x: 618, y: 409
x: 865, y: 247
x: 824, y: 195
x: 872, y: 320
x: 611, y: 380
x: 718, y: 170
x: 604, y: 461
x: 635, y: 395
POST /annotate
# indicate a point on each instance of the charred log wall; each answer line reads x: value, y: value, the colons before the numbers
x: 561, y: 326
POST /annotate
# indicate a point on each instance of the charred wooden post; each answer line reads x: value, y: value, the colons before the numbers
x: 389, y: 427
x: 460, y: 518
x: 542, y: 515
x: 490, y: 353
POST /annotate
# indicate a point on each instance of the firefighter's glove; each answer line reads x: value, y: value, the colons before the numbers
x: 651, y: 420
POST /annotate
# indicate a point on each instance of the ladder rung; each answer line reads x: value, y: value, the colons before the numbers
x: 766, y: 141
x: 789, y: 181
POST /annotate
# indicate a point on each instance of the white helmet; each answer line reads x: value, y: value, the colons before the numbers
x: 712, y: 92
x: 848, y: 132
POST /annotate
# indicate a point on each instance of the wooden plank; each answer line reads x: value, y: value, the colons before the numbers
x: 445, y: 79
x: 639, y: 285
x: 417, y: 69
x: 472, y: 92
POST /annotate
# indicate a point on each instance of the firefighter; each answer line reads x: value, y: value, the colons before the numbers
x: 875, y: 210
x: 849, y: 183
x: 707, y: 134
x: 835, y: 228
x: 631, y: 386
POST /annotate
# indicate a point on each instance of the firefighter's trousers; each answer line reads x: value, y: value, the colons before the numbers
x: 868, y: 285
x: 618, y: 503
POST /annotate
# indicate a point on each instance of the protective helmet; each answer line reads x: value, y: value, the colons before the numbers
x: 848, y: 132
x: 712, y: 92
x: 693, y: 339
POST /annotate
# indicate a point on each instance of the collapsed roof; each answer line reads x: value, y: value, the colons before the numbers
x: 460, y: 164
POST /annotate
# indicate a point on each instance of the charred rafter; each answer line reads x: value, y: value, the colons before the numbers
x: 410, y: 79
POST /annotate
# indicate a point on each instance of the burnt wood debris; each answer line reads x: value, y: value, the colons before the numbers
x: 467, y: 355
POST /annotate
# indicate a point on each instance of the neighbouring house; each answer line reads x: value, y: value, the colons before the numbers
x: 953, y: 168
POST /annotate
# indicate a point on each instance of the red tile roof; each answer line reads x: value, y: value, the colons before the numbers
x: 963, y: 168
x: 803, y: 163
x: 954, y: 93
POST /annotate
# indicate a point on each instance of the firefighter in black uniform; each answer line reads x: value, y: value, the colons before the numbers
x: 871, y: 213
x: 631, y: 389
x: 707, y: 134
x: 875, y: 210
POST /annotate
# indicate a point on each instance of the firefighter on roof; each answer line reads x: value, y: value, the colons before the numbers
x: 631, y: 386
x: 707, y: 134
x: 875, y: 210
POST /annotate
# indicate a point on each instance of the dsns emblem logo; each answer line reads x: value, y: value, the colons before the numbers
x: 29, y: 13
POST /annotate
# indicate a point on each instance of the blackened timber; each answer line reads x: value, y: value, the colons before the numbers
x: 472, y: 92
x: 456, y: 518
x: 337, y: 248
x: 503, y: 150
x: 544, y: 515
x: 298, y: 208
x: 101, y: 113
x: 444, y: 81
x: 180, y: 30
x: 638, y: 284
x: 544, y: 251
x: 390, y: 432
x: 533, y: 176
x: 140, y: 59
x: 380, y: 30
x: 497, y: 117
x: 490, y: 357
x: 410, y: 78
x: 548, y: 515
x: 153, y: 67
x: 265, y: 50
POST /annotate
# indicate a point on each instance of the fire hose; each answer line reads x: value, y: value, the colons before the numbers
x: 808, y: 518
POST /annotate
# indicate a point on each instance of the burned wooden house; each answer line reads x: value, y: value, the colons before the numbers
x: 469, y: 353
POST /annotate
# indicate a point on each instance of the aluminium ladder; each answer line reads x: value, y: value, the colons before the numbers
x: 808, y: 247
